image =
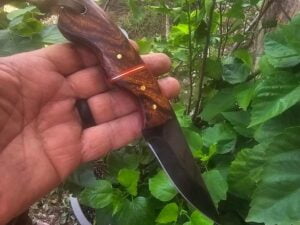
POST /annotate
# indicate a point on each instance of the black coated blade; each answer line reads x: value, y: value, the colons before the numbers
x: 170, y: 148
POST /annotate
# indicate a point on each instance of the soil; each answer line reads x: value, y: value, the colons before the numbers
x: 54, y: 209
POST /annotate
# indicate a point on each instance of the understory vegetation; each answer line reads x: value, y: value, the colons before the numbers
x: 239, y: 110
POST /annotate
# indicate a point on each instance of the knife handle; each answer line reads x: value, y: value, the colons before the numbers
x: 123, y: 65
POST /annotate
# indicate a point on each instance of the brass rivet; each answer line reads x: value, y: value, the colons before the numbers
x: 154, y: 107
x: 119, y: 56
x: 143, y: 88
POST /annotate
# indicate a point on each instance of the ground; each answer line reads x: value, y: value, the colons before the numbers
x: 54, y: 209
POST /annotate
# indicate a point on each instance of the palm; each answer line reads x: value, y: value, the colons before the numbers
x: 43, y: 137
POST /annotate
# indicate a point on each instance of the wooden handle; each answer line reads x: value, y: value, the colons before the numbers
x: 123, y: 65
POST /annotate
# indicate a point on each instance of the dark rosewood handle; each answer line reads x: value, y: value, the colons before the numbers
x: 90, y: 26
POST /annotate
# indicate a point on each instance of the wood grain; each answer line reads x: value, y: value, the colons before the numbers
x: 118, y: 58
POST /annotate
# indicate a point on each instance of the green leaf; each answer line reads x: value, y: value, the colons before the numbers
x: 161, y: 187
x: 135, y: 9
x: 236, y: 11
x: 282, y: 46
x: 20, y: 12
x: 208, y: 5
x: 266, y: 67
x: 276, y: 200
x: 280, y: 55
x: 84, y: 176
x: 245, y: 56
x: 193, y: 138
x: 245, y: 95
x: 129, y: 179
x: 188, y: 223
x: 3, y: 19
x: 104, y: 217
x: 245, y: 171
x: 168, y: 214
x: 274, y: 96
x: 51, y: 35
x: 121, y: 159
x: 224, y: 100
x: 240, y: 121
x: 136, y: 212
x: 98, y: 196
x: 214, y: 69
x: 117, y: 201
x: 205, y: 156
x: 12, y: 43
x: 145, y: 46
x: 198, y: 218
x: 216, y: 184
x: 235, y: 71
x: 27, y: 26
x: 221, y: 135
x: 275, y: 126
x: 184, y: 120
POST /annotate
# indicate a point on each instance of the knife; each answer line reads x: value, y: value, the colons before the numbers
x: 85, y: 23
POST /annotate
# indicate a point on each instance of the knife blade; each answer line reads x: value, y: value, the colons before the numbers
x: 85, y: 23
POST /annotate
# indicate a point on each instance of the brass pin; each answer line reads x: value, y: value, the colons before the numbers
x: 119, y: 56
x: 143, y: 88
x: 154, y: 107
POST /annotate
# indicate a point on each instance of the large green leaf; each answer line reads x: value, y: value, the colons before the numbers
x: 136, y: 212
x: 168, y: 214
x: 84, y: 176
x: 161, y: 187
x: 3, y: 19
x: 98, y: 196
x: 12, y: 43
x: 198, y: 218
x: 282, y: 46
x: 214, y: 69
x: 21, y: 12
x: 129, y: 179
x: 216, y: 184
x: 193, y: 138
x: 276, y: 200
x: 221, y: 135
x: 26, y: 26
x: 266, y: 68
x: 274, y: 96
x: 277, y: 125
x: 245, y: 56
x: 235, y: 70
x: 224, y: 100
x: 105, y: 217
x: 240, y: 121
x: 245, y: 95
x: 51, y: 35
x: 245, y: 171
x: 145, y: 45
x: 121, y: 159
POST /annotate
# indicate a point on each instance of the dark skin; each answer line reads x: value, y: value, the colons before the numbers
x: 42, y: 138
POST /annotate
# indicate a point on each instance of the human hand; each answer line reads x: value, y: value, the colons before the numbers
x: 41, y: 136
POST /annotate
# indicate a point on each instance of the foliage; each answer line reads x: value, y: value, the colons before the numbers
x: 24, y: 32
x: 241, y: 119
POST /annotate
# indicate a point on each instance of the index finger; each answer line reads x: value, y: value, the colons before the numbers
x: 69, y: 58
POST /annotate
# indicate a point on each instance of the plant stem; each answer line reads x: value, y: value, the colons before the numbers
x: 191, y: 81
x: 106, y: 5
x: 255, y: 22
x: 221, y: 30
x: 204, y: 61
x: 226, y: 36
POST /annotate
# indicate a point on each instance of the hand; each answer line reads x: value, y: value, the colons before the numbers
x: 41, y: 136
